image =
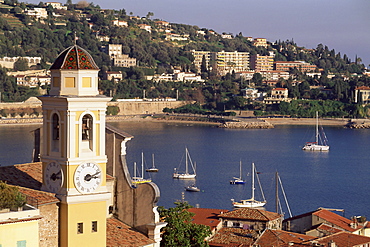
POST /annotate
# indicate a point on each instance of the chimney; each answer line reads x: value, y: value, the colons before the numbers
x: 331, y: 244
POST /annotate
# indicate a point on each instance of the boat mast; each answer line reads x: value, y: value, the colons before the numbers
x: 317, y: 128
x: 153, y: 160
x: 134, y: 169
x: 240, y: 170
x: 252, y: 181
x: 276, y: 193
x: 142, y: 164
x: 186, y: 160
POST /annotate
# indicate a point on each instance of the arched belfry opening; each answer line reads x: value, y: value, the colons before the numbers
x: 55, y: 125
x: 87, y: 132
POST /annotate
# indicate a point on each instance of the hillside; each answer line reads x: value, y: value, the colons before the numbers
x: 159, y: 48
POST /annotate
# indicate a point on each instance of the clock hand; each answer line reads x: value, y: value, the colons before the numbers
x: 56, y: 176
x: 88, y: 177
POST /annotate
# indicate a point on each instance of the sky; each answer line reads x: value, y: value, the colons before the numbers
x: 343, y: 25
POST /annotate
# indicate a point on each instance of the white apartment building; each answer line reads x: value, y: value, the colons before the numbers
x: 223, y: 62
x: 120, y: 23
x: 124, y: 60
x: 38, y: 13
x: 56, y: 5
x: 114, y: 49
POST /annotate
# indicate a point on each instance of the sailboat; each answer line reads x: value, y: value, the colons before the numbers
x: 279, y: 209
x: 252, y: 202
x: 139, y: 180
x: 192, y: 188
x: 320, y: 143
x: 153, y: 168
x: 238, y: 180
x: 186, y: 174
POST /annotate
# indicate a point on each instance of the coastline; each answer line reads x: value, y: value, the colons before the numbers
x: 308, y: 121
x: 136, y: 118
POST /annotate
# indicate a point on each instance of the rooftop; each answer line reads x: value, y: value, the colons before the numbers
x: 251, y: 214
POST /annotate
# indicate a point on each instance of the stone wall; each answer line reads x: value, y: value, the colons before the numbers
x: 247, y: 125
x: 125, y: 108
x: 145, y: 107
x: 48, y: 225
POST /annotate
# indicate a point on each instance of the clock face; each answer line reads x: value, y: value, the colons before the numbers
x: 87, y: 177
x: 53, y: 177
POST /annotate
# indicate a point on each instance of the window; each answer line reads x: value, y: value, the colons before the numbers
x: 55, y: 127
x: 80, y: 228
x: 69, y: 82
x: 86, y: 82
x: 55, y: 132
x: 22, y: 243
x: 86, y: 127
x: 94, y: 226
x: 56, y: 81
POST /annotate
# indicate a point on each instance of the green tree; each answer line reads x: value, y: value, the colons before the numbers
x: 21, y: 65
x: 10, y: 196
x: 180, y: 231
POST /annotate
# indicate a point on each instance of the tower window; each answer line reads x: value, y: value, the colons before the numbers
x: 70, y: 82
x: 94, y: 226
x: 55, y: 132
x: 55, y: 127
x: 80, y: 228
x: 86, y: 127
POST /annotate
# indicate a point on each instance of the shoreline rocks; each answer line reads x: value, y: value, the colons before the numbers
x: 247, y: 125
x: 353, y: 125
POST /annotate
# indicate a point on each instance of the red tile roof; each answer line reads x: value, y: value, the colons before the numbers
x: 233, y: 237
x: 336, y: 220
x: 362, y: 88
x: 251, y: 214
x: 121, y: 235
x: 42, y: 197
x: 279, y: 237
x: 326, y: 229
x: 344, y: 239
x: 25, y: 175
x: 16, y: 220
x: 207, y: 216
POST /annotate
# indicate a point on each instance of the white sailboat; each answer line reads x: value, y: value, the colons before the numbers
x: 238, y: 180
x: 140, y: 179
x: 192, y: 188
x: 252, y: 202
x: 320, y: 143
x: 186, y: 174
x: 153, y: 168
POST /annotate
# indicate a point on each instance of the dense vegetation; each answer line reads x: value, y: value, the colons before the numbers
x: 21, y: 35
x: 180, y: 231
x: 10, y: 197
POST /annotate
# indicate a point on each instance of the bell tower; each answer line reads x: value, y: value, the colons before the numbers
x: 73, y: 149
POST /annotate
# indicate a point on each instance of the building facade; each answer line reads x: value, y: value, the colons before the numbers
x: 261, y: 63
x: 300, y: 65
x: 222, y: 62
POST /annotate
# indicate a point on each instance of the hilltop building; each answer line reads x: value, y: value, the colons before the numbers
x: 119, y: 59
x: 260, y: 42
x: 222, y: 62
x: 262, y: 63
x: 362, y: 95
x: 300, y: 65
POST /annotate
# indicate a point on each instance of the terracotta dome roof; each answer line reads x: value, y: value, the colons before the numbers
x: 74, y: 57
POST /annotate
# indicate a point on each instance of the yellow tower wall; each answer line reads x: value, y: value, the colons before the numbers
x: 72, y: 214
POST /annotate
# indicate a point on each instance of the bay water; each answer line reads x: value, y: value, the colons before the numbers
x: 335, y: 179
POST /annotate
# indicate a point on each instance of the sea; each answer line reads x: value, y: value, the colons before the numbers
x: 337, y: 179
